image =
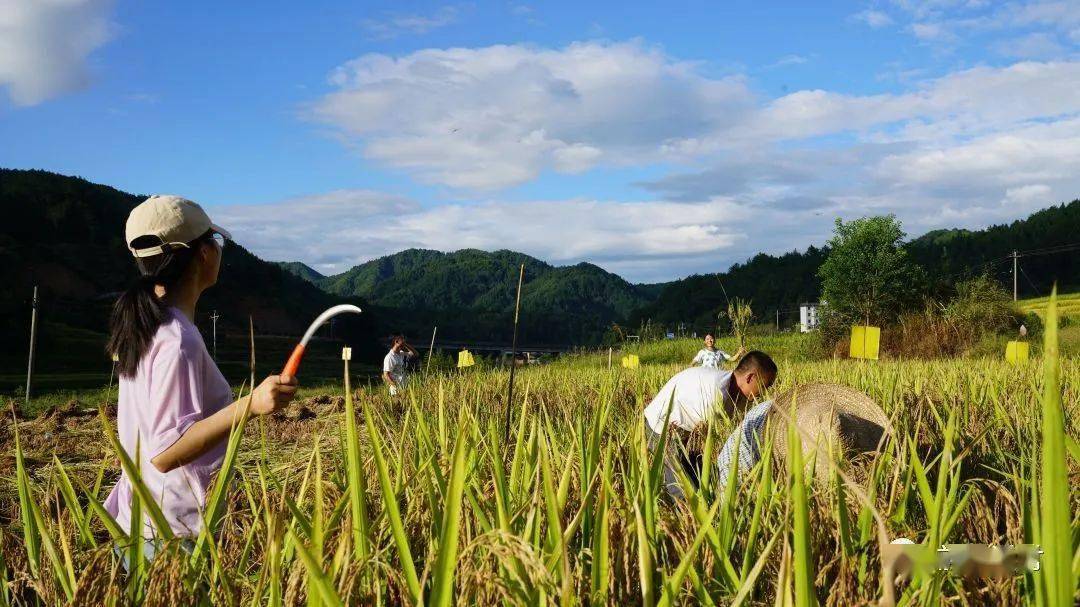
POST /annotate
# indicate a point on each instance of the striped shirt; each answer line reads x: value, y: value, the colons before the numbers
x: 746, y: 438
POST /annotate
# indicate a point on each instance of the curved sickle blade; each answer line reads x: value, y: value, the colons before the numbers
x: 293, y: 364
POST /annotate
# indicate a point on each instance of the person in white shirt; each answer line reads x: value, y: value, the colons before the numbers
x: 711, y: 356
x: 691, y: 396
x: 395, y: 364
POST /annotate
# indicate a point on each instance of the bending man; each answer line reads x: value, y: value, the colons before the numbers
x: 692, y: 396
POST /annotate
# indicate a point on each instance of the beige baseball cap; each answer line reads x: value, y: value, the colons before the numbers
x: 175, y: 221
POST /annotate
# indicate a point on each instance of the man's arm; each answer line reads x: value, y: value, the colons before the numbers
x: 389, y: 379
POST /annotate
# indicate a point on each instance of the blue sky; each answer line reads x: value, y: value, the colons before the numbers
x: 655, y: 141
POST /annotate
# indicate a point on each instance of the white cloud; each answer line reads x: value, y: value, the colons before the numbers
x: 1032, y: 196
x: 1035, y: 45
x: 490, y: 118
x: 933, y: 32
x: 969, y: 148
x: 1030, y: 27
x: 1057, y: 14
x: 969, y: 101
x: 334, y: 231
x: 325, y: 230
x: 393, y: 25
x: 499, y: 116
x: 787, y: 60
x: 991, y: 165
x: 975, y: 147
x: 874, y: 18
x: 44, y: 45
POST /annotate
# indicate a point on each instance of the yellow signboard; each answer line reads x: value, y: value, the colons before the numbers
x: 465, y: 359
x: 631, y: 361
x: 865, y: 342
x: 1016, y: 352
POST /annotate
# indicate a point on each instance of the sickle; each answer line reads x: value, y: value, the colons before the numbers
x: 293, y: 365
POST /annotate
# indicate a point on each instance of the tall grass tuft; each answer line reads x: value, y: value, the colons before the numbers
x: 1056, y: 530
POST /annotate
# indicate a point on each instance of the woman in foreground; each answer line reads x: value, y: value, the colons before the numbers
x: 175, y: 409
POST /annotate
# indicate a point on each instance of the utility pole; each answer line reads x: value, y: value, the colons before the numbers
x: 214, y: 317
x: 1015, y: 257
x: 33, y: 342
x: 777, y: 318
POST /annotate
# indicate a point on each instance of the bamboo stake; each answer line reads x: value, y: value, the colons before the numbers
x: 513, y: 357
x: 33, y: 342
x: 431, y: 349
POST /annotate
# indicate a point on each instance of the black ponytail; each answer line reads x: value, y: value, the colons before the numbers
x: 139, y: 312
x: 135, y: 319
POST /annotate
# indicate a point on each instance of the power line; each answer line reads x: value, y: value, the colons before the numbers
x: 1050, y: 250
x: 1016, y: 255
x: 1036, y: 289
x: 983, y: 267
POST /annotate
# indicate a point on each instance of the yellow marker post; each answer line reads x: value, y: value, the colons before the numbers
x: 865, y: 342
x: 465, y: 359
x: 631, y: 361
x: 1016, y: 352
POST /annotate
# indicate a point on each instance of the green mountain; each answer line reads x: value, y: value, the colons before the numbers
x: 65, y: 235
x: 300, y: 269
x: 470, y: 294
x: 1039, y: 238
x: 780, y: 283
x: 769, y: 282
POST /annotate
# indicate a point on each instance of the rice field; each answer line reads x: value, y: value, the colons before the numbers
x: 1068, y: 305
x: 350, y: 497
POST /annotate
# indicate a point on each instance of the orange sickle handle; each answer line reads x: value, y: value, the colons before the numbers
x: 293, y: 365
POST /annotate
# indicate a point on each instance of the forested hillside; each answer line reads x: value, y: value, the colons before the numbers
x: 300, y: 269
x: 66, y: 235
x: 1041, y: 238
x: 948, y: 256
x: 766, y: 280
x: 469, y: 294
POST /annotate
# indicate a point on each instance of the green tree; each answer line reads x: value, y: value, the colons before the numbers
x: 867, y: 276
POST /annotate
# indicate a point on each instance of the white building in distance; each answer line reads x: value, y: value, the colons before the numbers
x: 808, y: 317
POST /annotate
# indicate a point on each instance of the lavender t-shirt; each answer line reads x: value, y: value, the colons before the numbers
x: 176, y: 385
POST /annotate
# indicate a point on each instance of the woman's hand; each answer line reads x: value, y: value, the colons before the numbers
x: 273, y: 394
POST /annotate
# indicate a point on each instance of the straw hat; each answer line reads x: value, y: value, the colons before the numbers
x: 826, y: 414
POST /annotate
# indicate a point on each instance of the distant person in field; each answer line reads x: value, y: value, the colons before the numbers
x: 395, y: 364
x: 691, y: 397
x: 711, y: 356
x: 175, y: 408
